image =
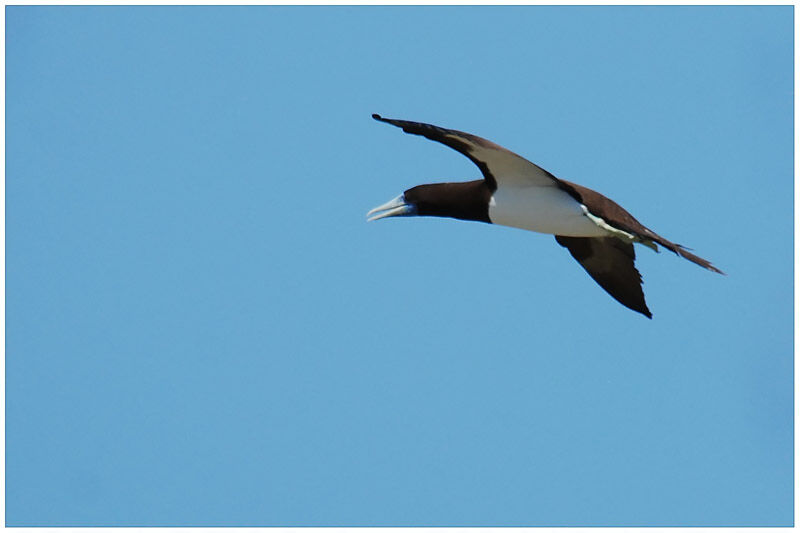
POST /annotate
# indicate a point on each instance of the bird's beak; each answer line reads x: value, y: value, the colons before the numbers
x: 393, y: 208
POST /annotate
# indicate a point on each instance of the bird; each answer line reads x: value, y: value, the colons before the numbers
x: 514, y: 192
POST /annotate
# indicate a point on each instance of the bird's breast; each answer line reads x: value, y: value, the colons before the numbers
x: 542, y: 209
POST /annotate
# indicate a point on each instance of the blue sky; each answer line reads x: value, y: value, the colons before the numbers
x: 202, y: 329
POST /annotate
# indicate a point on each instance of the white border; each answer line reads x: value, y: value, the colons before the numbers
x: 396, y: 2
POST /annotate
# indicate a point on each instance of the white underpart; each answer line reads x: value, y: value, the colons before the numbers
x: 528, y: 197
x: 547, y: 210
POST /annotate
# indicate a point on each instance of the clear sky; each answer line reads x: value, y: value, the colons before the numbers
x: 202, y: 328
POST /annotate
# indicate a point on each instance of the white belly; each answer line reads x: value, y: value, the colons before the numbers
x: 542, y: 209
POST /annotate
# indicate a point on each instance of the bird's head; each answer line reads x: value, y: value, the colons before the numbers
x: 465, y: 201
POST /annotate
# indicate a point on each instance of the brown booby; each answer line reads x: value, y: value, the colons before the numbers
x: 515, y: 192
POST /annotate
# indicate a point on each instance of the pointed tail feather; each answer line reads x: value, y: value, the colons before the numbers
x: 682, y: 251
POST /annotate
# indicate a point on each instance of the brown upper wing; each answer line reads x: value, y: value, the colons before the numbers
x: 616, y: 216
x: 497, y: 164
x: 609, y: 261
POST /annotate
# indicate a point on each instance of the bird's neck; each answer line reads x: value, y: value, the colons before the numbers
x: 463, y: 200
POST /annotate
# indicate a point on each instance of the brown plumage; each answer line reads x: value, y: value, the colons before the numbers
x: 609, y: 210
x: 607, y: 254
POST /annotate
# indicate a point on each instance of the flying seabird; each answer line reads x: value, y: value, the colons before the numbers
x: 514, y: 192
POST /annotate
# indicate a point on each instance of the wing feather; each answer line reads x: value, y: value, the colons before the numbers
x: 498, y: 165
x: 610, y: 262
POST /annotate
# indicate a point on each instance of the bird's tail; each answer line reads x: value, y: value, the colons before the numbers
x: 684, y: 252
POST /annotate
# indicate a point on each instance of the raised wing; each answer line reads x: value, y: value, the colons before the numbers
x: 609, y: 261
x: 498, y: 165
